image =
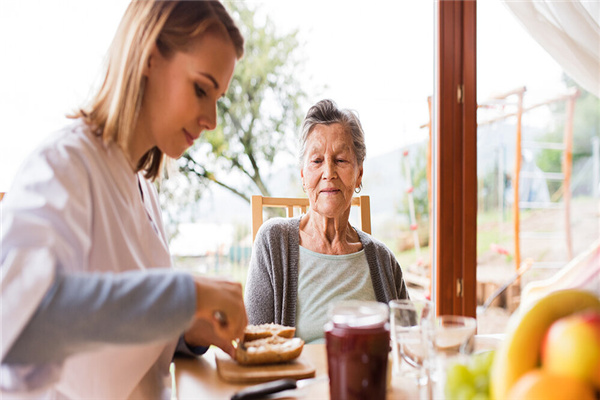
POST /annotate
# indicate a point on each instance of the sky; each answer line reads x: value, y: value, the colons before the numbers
x: 374, y: 57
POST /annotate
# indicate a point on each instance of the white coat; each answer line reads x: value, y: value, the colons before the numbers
x: 75, y: 205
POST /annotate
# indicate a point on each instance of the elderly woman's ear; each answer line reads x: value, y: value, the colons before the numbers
x: 359, y: 181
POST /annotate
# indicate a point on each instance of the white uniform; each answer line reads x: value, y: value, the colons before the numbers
x: 76, y: 206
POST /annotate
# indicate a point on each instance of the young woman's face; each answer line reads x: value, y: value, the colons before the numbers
x: 331, y: 171
x: 180, y: 98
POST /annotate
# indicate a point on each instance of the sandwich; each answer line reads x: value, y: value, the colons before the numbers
x: 268, y: 344
x: 254, y: 332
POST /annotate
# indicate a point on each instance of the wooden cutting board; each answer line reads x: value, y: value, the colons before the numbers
x: 231, y: 371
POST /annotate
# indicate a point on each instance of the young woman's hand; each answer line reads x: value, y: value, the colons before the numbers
x: 220, y: 314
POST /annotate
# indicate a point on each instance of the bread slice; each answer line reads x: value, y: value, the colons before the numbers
x: 271, y: 350
x: 254, y: 332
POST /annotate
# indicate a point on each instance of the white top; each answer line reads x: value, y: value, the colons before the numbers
x: 324, y: 279
x: 75, y: 205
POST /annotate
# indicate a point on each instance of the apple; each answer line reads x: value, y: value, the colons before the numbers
x: 571, y: 346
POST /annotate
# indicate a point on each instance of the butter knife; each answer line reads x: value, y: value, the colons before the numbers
x: 265, y: 390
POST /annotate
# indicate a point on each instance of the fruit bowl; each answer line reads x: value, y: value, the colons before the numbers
x: 521, y: 350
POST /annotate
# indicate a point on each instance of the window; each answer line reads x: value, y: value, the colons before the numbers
x: 537, y: 213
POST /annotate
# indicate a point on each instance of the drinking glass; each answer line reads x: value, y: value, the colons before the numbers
x: 453, y: 341
x: 410, y: 323
x: 454, y: 336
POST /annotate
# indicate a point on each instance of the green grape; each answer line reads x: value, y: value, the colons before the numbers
x: 481, y: 381
x: 470, y: 381
x: 457, y: 377
x: 482, y: 361
x: 465, y: 392
x: 480, y: 396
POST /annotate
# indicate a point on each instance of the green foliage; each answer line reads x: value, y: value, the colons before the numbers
x: 259, y: 115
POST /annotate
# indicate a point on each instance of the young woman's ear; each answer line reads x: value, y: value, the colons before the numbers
x: 151, y: 60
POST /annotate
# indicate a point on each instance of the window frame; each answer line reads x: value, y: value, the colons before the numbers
x: 455, y: 159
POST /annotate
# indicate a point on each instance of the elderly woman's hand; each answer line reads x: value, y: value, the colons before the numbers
x: 220, y: 314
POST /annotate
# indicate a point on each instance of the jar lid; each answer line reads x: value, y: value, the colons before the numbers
x: 358, y: 314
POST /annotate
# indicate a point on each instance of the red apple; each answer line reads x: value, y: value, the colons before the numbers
x: 571, y: 347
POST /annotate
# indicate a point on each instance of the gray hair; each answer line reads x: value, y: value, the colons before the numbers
x: 326, y: 112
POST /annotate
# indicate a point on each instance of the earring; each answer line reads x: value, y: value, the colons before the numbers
x: 358, y: 189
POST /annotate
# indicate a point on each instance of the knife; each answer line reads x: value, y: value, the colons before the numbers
x: 221, y: 318
x: 263, y: 390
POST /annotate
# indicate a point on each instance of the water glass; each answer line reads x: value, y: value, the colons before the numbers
x: 454, y: 336
x: 453, y: 341
x: 410, y: 322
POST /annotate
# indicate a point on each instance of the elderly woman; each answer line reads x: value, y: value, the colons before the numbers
x: 301, y: 265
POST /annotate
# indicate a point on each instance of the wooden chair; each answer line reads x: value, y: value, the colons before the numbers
x: 301, y: 203
x: 2, y: 195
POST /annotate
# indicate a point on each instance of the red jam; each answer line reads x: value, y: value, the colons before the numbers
x: 357, y: 352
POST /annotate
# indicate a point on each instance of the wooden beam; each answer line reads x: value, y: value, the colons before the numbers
x: 456, y: 166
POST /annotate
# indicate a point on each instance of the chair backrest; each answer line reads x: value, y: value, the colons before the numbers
x: 301, y: 203
x: 1, y: 195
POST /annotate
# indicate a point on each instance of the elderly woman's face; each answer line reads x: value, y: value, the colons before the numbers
x: 330, y: 172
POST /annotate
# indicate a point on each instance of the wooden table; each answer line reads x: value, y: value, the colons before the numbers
x: 198, y: 378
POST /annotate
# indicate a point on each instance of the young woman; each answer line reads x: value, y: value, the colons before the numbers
x: 90, y: 305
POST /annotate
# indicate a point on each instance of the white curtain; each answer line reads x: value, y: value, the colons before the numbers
x: 569, y: 31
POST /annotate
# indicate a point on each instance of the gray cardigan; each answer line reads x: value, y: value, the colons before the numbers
x: 272, y: 285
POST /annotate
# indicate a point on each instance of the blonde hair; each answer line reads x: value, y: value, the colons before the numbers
x: 170, y: 25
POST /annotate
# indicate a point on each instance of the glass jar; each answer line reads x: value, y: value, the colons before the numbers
x: 358, y: 344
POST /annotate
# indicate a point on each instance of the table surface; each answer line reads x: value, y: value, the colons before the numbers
x: 198, y: 378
